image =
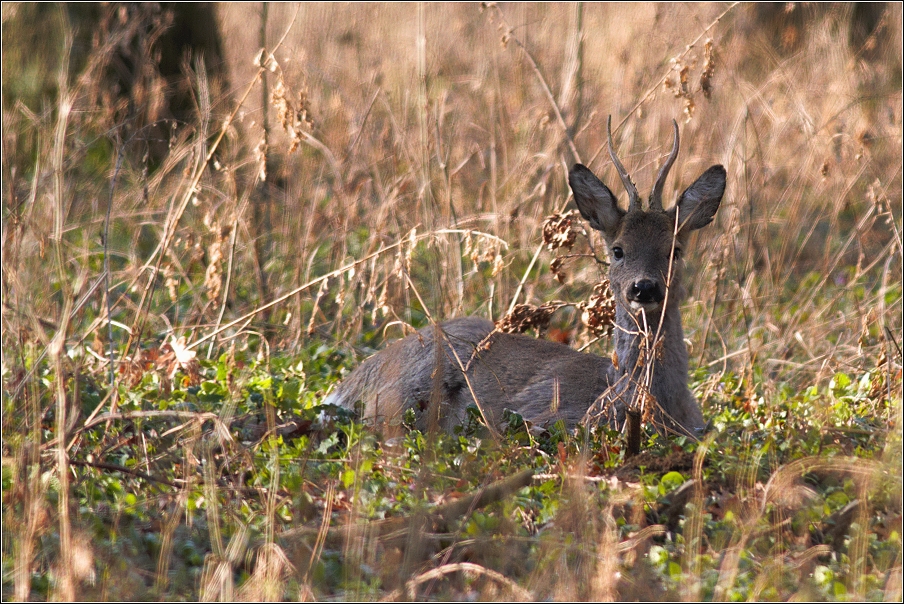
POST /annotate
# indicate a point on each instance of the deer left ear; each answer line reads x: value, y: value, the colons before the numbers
x: 698, y: 204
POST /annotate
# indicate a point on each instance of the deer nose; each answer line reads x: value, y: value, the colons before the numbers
x: 645, y: 291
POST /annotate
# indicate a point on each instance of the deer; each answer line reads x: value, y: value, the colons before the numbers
x: 442, y: 369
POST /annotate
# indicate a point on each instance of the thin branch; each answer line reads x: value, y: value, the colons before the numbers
x: 468, y: 568
x: 100, y: 419
x: 295, y: 291
x: 117, y: 468
x: 119, y: 159
x: 659, y: 82
x: 170, y: 226
x: 544, y: 85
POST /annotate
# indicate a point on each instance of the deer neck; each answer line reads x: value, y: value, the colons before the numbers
x: 664, y: 369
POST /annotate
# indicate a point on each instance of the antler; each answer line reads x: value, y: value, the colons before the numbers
x: 656, y: 195
x: 633, y: 197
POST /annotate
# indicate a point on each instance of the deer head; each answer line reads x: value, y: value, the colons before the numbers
x: 645, y: 245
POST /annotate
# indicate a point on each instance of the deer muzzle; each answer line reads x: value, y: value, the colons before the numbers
x: 645, y: 294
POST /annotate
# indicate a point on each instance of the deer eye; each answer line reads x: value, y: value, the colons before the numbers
x: 618, y: 253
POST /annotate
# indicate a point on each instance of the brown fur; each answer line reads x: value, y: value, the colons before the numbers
x: 545, y: 381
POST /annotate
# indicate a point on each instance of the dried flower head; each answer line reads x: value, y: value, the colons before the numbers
x: 559, y: 231
x: 677, y: 84
x: 266, y: 60
x: 175, y: 356
x: 555, y: 267
x: 480, y: 247
x: 598, y: 312
x: 709, y: 68
x: 293, y: 114
x: 260, y: 156
x: 527, y: 316
x: 213, y: 275
x: 171, y: 284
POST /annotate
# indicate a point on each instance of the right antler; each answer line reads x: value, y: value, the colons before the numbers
x: 656, y: 195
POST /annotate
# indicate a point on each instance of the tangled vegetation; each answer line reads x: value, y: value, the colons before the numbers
x: 197, y: 248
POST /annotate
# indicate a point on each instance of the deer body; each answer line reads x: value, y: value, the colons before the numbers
x: 545, y: 381
x: 511, y: 371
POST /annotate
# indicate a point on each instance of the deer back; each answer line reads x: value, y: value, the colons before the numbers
x: 442, y: 369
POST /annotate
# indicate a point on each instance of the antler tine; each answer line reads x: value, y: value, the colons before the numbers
x: 656, y: 195
x: 633, y: 197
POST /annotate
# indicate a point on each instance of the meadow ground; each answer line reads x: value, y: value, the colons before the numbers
x: 192, y: 261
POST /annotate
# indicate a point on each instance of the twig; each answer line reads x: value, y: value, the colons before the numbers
x: 893, y: 340
x: 117, y: 468
x: 656, y: 86
x: 524, y: 277
x: 465, y: 567
x: 394, y: 529
x: 727, y: 356
x: 544, y: 85
x: 472, y: 232
x: 202, y: 416
x: 65, y: 588
x: 295, y: 291
x: 170, y: 226
x: 491, y: 494
x: 119, y: 159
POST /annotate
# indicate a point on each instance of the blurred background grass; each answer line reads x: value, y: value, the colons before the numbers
x: 445, y: 130
x: 433, y: 117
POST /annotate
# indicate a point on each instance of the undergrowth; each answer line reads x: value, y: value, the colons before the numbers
x: 193, y: 256
x: 215, y: 468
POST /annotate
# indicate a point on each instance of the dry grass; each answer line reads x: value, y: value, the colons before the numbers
x: 390, y: 163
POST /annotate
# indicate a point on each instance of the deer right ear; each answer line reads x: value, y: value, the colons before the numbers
x: 595, y: 201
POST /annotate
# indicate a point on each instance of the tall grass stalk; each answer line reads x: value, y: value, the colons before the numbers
x: 407, y: 164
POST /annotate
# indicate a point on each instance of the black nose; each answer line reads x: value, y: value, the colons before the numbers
x: 645, y: 291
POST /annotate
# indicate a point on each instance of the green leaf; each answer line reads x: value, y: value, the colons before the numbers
x: 673, y: 480
x: 348, y: 478
x: 840, y: 382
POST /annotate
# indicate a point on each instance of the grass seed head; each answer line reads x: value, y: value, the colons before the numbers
x: 709, y: 68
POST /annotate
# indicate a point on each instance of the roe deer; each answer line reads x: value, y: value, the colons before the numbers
x: 546, y: 381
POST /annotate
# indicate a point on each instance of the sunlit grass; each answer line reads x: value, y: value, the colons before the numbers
x: 430, y: 142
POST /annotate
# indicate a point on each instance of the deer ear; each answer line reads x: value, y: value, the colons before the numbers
x: 698, y: 204
x: 595, y: 201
